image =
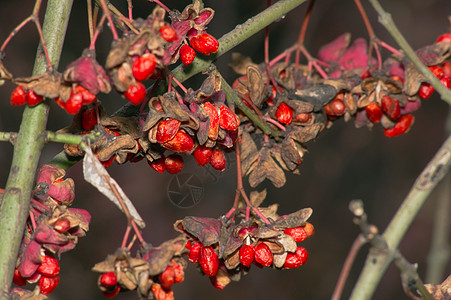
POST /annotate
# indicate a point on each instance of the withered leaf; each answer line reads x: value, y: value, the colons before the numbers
x: 295, y: 219
x: 318, y: 95
x: 303, y: 134
x: 266, y: 168
x: 290, y: 153
x: 207, y: 230
x: 229, y: 243
x: 118, y: 53
x: 265, y: 232
x: 257, y: 197
x: 440, y: 291
x: 270, y: 212
x: 97, y: 175
x: 159, y: 257
x: 240, y: 63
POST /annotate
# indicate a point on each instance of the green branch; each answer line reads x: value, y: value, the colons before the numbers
x: 386, y: 20
x: 377, y: 262
x: 28, y: 147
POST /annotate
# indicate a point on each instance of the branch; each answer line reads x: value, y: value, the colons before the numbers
x: 386, y: 20
x: 28, y: 147
x: 376, y: 263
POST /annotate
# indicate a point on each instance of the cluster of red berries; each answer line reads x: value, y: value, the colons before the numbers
x: 21, y: 96
x: 47, y: 275
x: 79, y: 97
x: 203, y: 43
x: 443, y: 73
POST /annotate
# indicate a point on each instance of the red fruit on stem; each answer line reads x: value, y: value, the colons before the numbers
x: 446, y: 37
x: 112, y: 294
x: 49, y: 267
x: 296, y: 259
x: 179, y: 273
x: 18, y: 279
x: 108, y: 279
x: 74, y: 103
x: 284, y: 113
x: 87, y: 96
x: 167, y: 129
x: 174, y: 163
x: 187, y: 54
x: 204, y: 43
x: 89, y: 118
x: 446, y: 81
x: 391, y: 107
x: 158, y: 164
x: 18, y: 96
x: 309, y: 229
x: 263, y: 254
x: 297, y: 233
x: 202, y: 155
x: 194, y: 253
x: 33, y: 99
x: 166, y: 277
x: 144, y: 66
x: 168, y: 33
x: 335, y: 108
x: 366, y: 74
x: 48, y: 284
x: 426, y: 90
x: 212, y: 112
x: 209, y: 261
x: 397, y: 78
x: 218, y: 160
x: 437, y: 71
x: 181, y: 142
x: 247, y: 255
x: 302, y: 118
x: 62, y: 225
x: 228, y: 119
x: 374, y: 112
x: 446, y: 67
x: 136, y: 93
x: 402, y: 126
x: 160, y: 294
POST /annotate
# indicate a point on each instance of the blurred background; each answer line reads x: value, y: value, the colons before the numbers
x: 344, y: 163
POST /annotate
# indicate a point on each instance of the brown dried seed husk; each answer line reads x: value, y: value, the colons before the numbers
x: 266, y: 168
x: 274, y: 246
x: 288, y: 243
x: 47, y: 85
x: 295, y: 219
x: 233, y: 260
x: 279, y: 259
x: 4, y: 73
x: 256, y: 85
x: 270, y: 212
x: 118, y: 53
x: 108, y: 147
x: 303, y: 134
x: 73, y: 150
x: 257, y: 197
x: 318, y: 95
x: 240, y: 63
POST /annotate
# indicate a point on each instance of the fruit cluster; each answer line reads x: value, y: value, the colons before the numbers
x: 299, y: 102
x: 52, y: 229
x: 226, y: 251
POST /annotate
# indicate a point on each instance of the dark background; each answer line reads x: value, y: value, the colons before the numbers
x: 344, y: 163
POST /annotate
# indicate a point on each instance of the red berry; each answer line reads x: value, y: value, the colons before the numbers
x: 284, y: 113
x: 74, y: 103
x: 402, y: 126
x: 446, y: 81
x: 49, y: 266
x: 187, y: 54
x: 33, y: 99
x: 365, y: 75
x: 167, y: 129
x: 160, y: 294
x: 109, y: 161
x: 194, y: 252
x: 62, y: 225
x: 391, y: 107
x: 247, y: 254
x: 179, y: 273
x: 89, y: 118
x: 18, y: 96
x: 209, y: 261
x: 302, y: 118
x: 113, y: 293
x: 181, y: 142
x: 108, y: 279
x: 87, y: 96
x: 297, y: 233
x: 166, y: 277
x: 446, y: 37
x: 204, y: 43
x: 296, y: 259
x: 212, y: 112
x: 263, y: 254
x: 202, y: 155
x: 158, y: 164
x: 426, y: 90
x: 446, y: 67
x: 335, y: 108
x: 168, y: 33
x: 437, y: 71
x: 228, y: 119
x: 136, y: 93
x: 397, y: 78
x: 144, y: 66
x: 48, y: 284
x: 174, y: 163
x: 374, y: 112
x: 18, y: 279
x: 218, y: 160
x: 309, y: 229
